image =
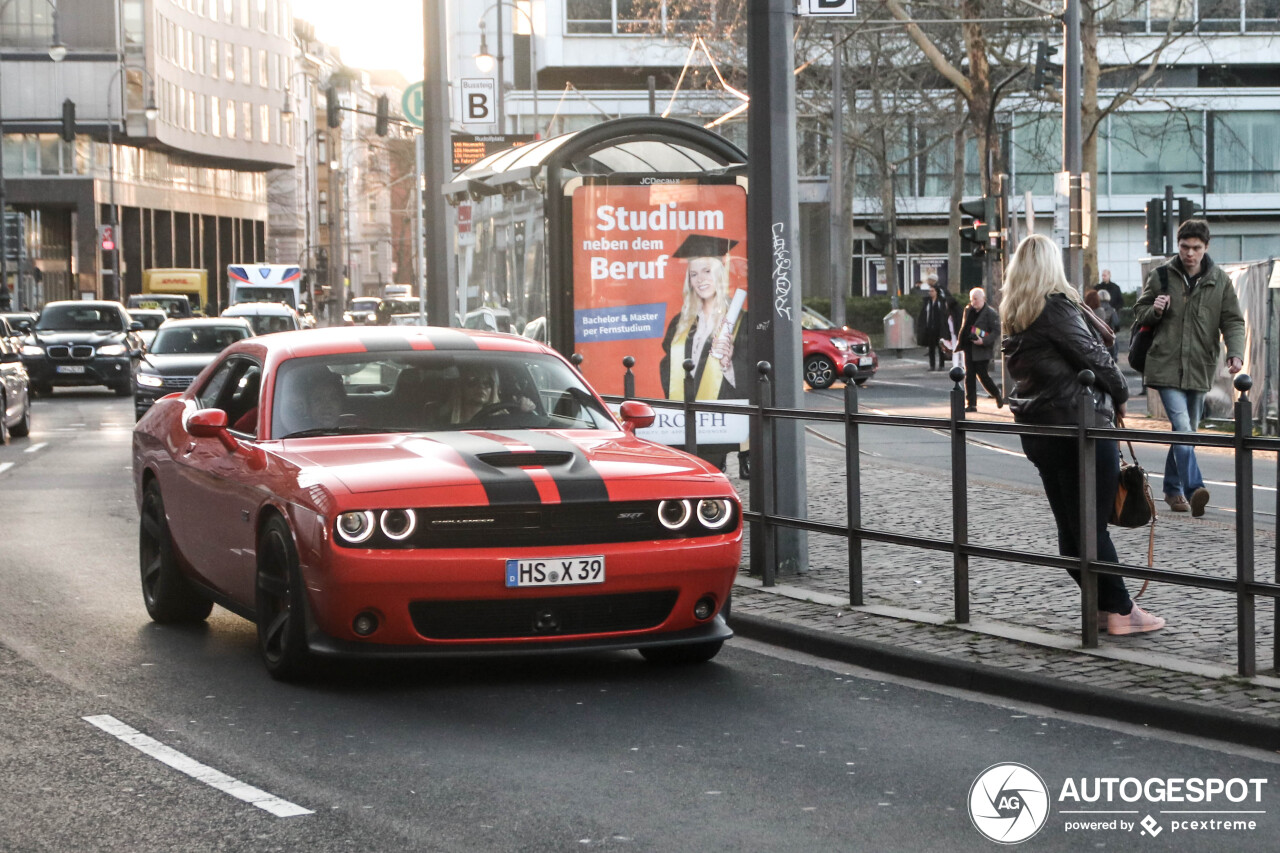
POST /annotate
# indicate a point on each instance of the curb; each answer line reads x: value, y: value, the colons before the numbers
x: 1054, y: 693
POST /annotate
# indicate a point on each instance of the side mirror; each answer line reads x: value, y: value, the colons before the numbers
x: 207, y: 423
x: 636, y: 415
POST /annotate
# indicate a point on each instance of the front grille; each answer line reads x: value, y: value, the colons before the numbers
x: 177, y: 383
x: 543, y: 524
x: 541, y: 617
x: 65, y: 353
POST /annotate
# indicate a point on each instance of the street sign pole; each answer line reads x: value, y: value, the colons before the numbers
x: 441, y: 302
x: 773, y: 269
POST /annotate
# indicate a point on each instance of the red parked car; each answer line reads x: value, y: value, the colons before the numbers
x: 402, y: 491
x: 828, y: 348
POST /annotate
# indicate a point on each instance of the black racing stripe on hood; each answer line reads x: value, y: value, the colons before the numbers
x: 501, y: 485
x: 579, y: 482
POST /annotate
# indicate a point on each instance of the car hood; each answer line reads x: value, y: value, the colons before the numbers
x: 509, y: 466
x: 96, y: 339
x: 177, y: 364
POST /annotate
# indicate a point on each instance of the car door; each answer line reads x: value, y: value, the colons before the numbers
x: 220, y: 488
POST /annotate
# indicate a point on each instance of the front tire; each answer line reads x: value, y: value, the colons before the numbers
x: 23, y: 427
x: 170, y: 598
x: 280, y: 604
x: 124, y: 389
x: 819, y: 372
x: 686, y: 655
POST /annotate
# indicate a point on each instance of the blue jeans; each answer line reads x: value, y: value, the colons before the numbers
x: 1181, y: 471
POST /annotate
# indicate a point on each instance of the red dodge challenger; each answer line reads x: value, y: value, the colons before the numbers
x: 401, y: 491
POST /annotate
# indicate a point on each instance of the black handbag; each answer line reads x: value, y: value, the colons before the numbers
x: 1141, y: 337
x: 1134, y: 506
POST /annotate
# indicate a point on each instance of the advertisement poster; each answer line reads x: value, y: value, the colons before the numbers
x: 923, y: 268
x: 660, y: 274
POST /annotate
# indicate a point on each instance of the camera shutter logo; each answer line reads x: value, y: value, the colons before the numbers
x: 1008, y: 803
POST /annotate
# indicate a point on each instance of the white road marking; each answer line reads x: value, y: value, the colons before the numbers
x: 196, y: 770
x: 35, y: 447
x: 5, y: 466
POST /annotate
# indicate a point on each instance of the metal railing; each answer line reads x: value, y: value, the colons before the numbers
x: 765, y: 521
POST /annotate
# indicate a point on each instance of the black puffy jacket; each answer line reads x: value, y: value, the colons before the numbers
x: 1044, y: 360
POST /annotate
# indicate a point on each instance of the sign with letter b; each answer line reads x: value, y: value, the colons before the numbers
x: 478, y: 97
x: 828, y: 7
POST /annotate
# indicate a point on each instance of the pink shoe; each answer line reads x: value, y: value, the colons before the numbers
x: 1136, y: 621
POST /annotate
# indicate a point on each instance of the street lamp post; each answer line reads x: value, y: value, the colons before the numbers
x: 151, y: 111
x: 57, y: 52
x: 484, y: 60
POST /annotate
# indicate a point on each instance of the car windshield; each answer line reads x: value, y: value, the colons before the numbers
x: 196, y: 340
x: 411, y: 391
x: 814, y: 320
x: 365, y: 304
x: 80, y: 318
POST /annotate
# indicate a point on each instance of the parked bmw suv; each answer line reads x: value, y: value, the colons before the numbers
x: 82, y: 343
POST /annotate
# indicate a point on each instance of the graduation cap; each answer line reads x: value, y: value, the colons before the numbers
x: 704, y: 246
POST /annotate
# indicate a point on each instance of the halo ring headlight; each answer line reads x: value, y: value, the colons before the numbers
x: 398, y: 524
x: 355, y: 527
x: 674, y: 515
x: 714, y: 513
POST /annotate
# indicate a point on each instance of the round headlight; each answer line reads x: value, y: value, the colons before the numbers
x: 150, y: 380
x: 355, y: 527
x: 398, y: 523
x: 714, y: 513
x: 674, y: 514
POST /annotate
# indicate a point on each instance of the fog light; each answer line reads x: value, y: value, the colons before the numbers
x: 365, y: 624
x: 674, y: 514
x: 705, y: 608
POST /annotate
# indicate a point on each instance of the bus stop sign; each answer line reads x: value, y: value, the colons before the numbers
x: 411, y: 104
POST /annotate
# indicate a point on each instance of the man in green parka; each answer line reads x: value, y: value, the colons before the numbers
x: 1192, y: 304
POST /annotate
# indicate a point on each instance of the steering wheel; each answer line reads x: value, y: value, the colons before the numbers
x: 508, y: 406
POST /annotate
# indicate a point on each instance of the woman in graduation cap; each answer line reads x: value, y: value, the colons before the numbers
x: 710, y: 327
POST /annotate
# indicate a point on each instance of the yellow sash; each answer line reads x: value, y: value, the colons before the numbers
x: 712, y: 374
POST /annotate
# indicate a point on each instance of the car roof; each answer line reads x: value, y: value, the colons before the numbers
x: 348, y: 339
x: 206, y: 322
x: 88, y: 303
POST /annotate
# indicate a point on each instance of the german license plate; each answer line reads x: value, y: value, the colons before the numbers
x: 71, y: 368
x: 865, y: 361
x: 555, y: 571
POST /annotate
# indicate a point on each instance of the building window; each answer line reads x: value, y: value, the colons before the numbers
x: 244, y: 13
x: 202, y: 115
x: 1245, y: 156
x: 215, y: 115
x: 228, y: 11
x: 246, y: 65
x: 262, y: 68
x: 264, y: 124
x: 200, y: 54
x: 27, y: 23
x: 213, y: 58
x: 635, y: 16
x: 231, y: 119
x: 1150, y: 150
x: 246, y: 118
x: 229, y: 63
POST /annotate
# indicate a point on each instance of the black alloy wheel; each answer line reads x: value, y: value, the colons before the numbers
x: 819, y: 372
x: 280, y: 604
x: 169, y: 596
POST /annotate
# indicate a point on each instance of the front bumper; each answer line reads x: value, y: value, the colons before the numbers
x: 417, y: 596
x: 861, y: 371
x: 111, y: 371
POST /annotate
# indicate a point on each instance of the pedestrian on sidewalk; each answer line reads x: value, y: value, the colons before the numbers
x: 1047, y: 343
x: 1192, y: 304
x: 1096, y: 302
x: 979, y: 329
x: 931, y: 324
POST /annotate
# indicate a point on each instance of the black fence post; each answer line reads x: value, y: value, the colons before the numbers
x: 853, y: 485
x: 628, y: 378
x: 690, y: 418
x: 1246, y: 642
x: 959, y: 498
x: 1087, y: 469
x: 768, y: 500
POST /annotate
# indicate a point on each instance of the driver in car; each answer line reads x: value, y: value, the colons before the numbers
x: 478, y: 391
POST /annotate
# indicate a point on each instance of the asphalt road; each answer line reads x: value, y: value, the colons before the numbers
x: 760, y: 750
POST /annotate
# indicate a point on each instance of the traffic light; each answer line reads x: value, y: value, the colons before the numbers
x: 1187, y: 209
x: 880, y: 235
x: 384, y: 115
x: 1043, y: 52
x: 976, y: 236
x: 1155, y: 226
x: 69, y: 120
x: 107, y: 237
x: 332, y: 117
x: 322, y: 265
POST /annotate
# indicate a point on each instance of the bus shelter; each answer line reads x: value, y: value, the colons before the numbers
x: 627, y: 238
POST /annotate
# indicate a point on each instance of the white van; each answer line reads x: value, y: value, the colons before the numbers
x: 266, y: 317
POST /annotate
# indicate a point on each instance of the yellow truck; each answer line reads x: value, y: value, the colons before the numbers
x: 191, y: 283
